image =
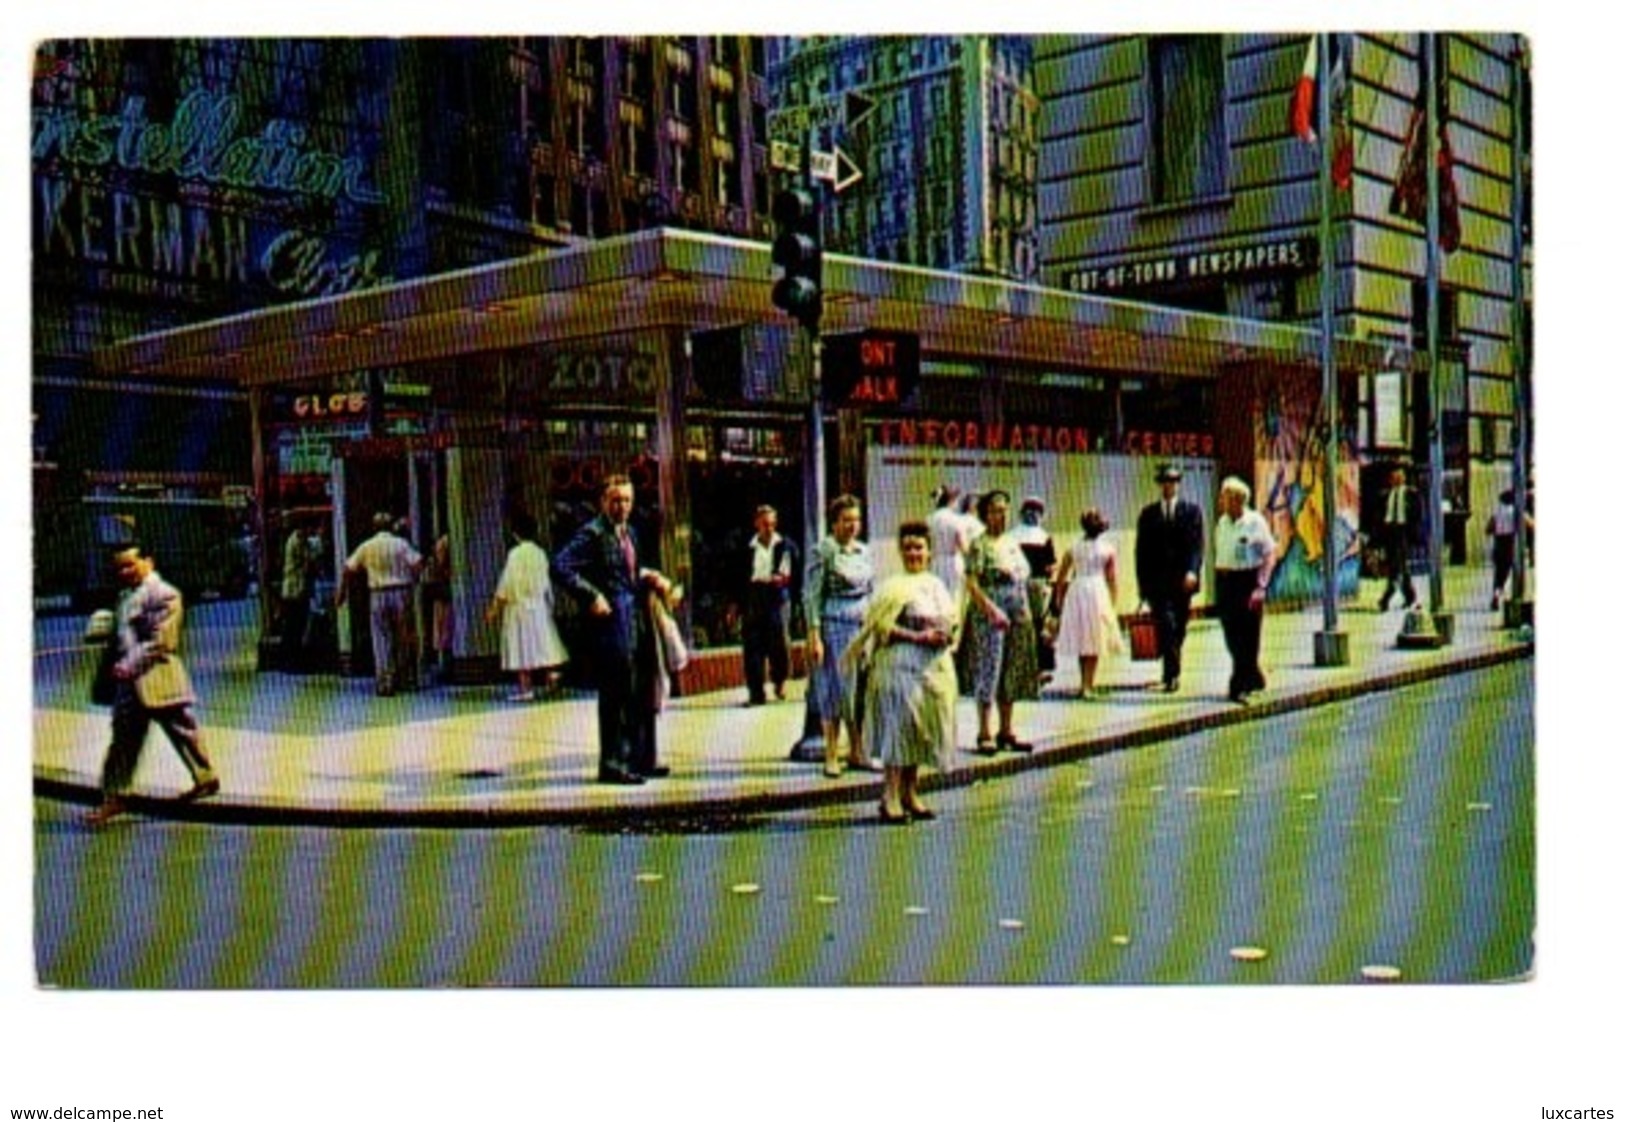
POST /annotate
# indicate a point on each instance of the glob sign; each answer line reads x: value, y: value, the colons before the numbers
x: 325, y: 406
x: 870, y: 368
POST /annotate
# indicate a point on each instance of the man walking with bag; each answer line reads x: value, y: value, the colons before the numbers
x: 150, y: 685
x: 1399, y: 518
x: 1168, y: 565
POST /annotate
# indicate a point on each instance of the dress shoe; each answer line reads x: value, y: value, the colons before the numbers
x: 202, y: 789
x: 920, y: 813
x: 1011, y: 744
x: 778, y: 691
x: 617, y: 776
x: 656, y: 771
x: 887, y: 818
x: 112, y: 807
x: 1171, y: 686
x: 1239, y: 698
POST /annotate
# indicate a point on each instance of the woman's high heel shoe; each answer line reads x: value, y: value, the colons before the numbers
x: 887, y: 818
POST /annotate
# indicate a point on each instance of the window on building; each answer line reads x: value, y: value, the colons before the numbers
x: 1448, y: 312
x: 1186, y: 93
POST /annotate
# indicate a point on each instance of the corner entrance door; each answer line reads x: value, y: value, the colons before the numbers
x: 364, y: 487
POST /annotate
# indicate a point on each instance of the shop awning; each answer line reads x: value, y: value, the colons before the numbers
x: 679, y: 278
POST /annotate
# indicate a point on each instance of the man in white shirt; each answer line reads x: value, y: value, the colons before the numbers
x: 391, y: 566
x: 767, y: 607
x: 1243, y: 558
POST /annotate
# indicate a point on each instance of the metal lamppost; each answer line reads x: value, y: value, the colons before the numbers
x: 1331, y: 645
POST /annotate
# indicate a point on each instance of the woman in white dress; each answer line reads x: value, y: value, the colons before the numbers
x: 1086, y: 601
x: 524, y: 602
x: 950, y: 538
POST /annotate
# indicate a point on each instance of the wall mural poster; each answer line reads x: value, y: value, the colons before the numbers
x: 1287, y: 489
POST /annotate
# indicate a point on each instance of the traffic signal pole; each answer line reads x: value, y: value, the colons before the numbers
x: 798, y: 250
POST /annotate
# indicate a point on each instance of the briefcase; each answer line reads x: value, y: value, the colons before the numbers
x: 1142, y: 637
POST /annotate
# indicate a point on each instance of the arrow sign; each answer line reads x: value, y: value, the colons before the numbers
x: 855, y: 108
x: 848, y: 110
x: 828, y: 166
x: 854, y: 172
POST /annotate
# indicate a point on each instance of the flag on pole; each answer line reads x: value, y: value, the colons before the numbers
x: 1410, y: 197
x: 1303, y: 107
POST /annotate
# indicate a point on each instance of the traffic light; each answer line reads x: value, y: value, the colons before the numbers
x: 796, y: 250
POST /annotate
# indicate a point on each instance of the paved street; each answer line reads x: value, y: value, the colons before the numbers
x: 1333, y: 838
x: 324, y: 749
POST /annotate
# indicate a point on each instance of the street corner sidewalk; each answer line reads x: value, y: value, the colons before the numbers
x: 322, y: 750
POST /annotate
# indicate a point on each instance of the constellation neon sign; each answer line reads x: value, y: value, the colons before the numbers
x: 203, y: 141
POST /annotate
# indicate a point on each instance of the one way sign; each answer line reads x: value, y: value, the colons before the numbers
x: 835, y: 168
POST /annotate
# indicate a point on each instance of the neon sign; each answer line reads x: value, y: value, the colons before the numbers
x: 203, y: 141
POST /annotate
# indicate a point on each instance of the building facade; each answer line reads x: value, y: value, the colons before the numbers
x: 176, y: 181
x: 1170, y: 173
x: 947, y: 144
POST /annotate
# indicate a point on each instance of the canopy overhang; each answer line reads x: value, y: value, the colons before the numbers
x: 696, y: 281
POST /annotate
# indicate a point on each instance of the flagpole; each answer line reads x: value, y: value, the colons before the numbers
x: 1331, y: 647
x: 1430, y: 53
x: 1516, y: 612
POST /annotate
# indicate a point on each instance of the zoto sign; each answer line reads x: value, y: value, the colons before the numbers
x: 601, y: 372
x: 871, y: 367
x: 1290, y: 255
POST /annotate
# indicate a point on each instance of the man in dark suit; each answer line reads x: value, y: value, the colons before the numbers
x: 1168, y: 565
x: 600, y: 567
x: 1396, y: 531
x: 766, y: 569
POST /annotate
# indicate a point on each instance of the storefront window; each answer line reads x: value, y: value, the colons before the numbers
x: 733, y: 469
x: 1168, y: 416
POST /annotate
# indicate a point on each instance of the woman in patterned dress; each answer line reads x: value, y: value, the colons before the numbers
x: 908, y: 633
x: 840, y: 578
x: 1004, y: 652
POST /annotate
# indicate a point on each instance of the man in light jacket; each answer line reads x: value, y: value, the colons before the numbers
x: 150, y: 684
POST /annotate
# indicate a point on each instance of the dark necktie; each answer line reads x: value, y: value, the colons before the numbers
x: 627, y: 552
